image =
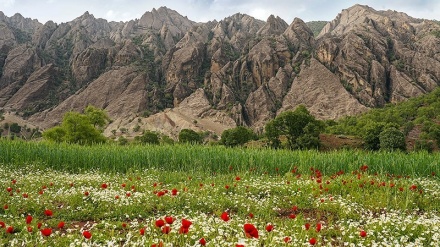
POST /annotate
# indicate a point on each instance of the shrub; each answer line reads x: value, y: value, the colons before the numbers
x: 189, y: 136
x: 237, y: 136
x: 149, y: 137
x: 392, y: 139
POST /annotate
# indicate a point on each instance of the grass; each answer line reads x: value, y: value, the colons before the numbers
x: 114, y: 192
x: 188, y: 158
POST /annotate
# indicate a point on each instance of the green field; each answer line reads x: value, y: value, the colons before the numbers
x: 120, y: 195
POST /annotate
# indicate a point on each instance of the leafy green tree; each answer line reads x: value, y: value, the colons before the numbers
x: 189, y: 136
x: 237, y: 136
x: 149, y: 137
x: 392, y: 139
x: 77, y: 128
x: 96, y: 116
x: 371, y: 135
x: 15, y: 128
x: 297, y: 126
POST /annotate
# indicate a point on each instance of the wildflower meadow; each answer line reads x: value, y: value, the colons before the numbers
x: 66, y: 195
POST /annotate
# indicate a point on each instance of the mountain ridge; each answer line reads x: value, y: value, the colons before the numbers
x: 236, y: 71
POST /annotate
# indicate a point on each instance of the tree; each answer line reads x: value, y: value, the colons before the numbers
x: 97, y: 117
x: 237, y: 136
x: 189, y: 136
x: 371, y: 135
x: 77, y: 128
x: 15, y: 128
x: 392, y: 139
x: 299, y: 127
x: 149, y: 137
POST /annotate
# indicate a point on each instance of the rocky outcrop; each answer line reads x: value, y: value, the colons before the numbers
x: 215, y: 75
x: 321, y: 92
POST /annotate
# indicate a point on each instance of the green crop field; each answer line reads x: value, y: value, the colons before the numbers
x: 183, y: 195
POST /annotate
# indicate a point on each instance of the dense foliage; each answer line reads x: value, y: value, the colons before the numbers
x: 422, y: 112
x: 190, y: 136
x: 237, y: 136
x: 79, y: 128
x: 299, y: 127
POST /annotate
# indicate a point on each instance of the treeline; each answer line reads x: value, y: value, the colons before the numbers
x: 417, y: 119
x: 411, y: 125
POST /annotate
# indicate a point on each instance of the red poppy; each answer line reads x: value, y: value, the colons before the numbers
x: 225, y: 216
x: 48, y: 212
x: 86, y: 193
x: 160, y: 244
x: 286, y: 239
x: 142, y: 231
x: 39, y: 224
x: 87, y: 234
x: 117, y: 197
x: 124, y: 225
x: 25, y: 195
x: 10, y: 230
x: 166, y: 229
x: 46, y: 232
x: 307, y: 226
x: 269, y: 227
x: 104, y: 186
x: 237, y: 178
x: 250, y: 230
x: 13, y: 181
x: 202, y: 242
x: 128, y: 194
x: 363, y: 233
x: 160, y: 223
x: 295, y: 208
x: 292, y: 216
x: 61, y: 224
x: 169, y: 219
x: 413, y: 187
x: 2, y: 224
x: 186, y: 223
x: 123, y: 185
x: 29, y: 229
x: 226, y: 186
x: 183, y: 230
x: 312, y: 241
x: 318, y: 227
x: 9, y: 189
x: 174, y: 192
x: 251, y: 215
x: 160, y: 193
x: 6, y: 206
x: 239, y: 245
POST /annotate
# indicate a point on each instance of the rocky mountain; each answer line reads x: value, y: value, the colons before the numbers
x: 165, y: 72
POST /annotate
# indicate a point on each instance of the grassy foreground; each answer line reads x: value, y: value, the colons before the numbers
x: 211, y: 196
x: 209, y: 159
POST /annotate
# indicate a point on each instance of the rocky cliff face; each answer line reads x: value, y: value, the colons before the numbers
x: 171, y: 73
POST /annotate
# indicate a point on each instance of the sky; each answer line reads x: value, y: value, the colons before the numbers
x: 206, y: 10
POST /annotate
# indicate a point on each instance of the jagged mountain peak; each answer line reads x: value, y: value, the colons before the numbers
x: 238, y: 70
x: 273, y: 26
x: 358, y: 14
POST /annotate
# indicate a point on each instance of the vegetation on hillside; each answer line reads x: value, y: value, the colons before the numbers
x: 420, y: 115
x: 316, y: 26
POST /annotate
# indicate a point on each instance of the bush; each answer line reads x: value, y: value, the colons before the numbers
x: 189, y: 136
x: 148, y: 137
x: 237, y: 136
x: 299, y: 127
x: 78, y: 128
x: 392, y: 139
x: 15, y: 128
x: 424, y: 145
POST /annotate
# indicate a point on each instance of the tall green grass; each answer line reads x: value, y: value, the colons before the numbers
x: 210, y: 159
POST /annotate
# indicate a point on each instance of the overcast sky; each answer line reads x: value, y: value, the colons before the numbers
x: 204, y: 10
